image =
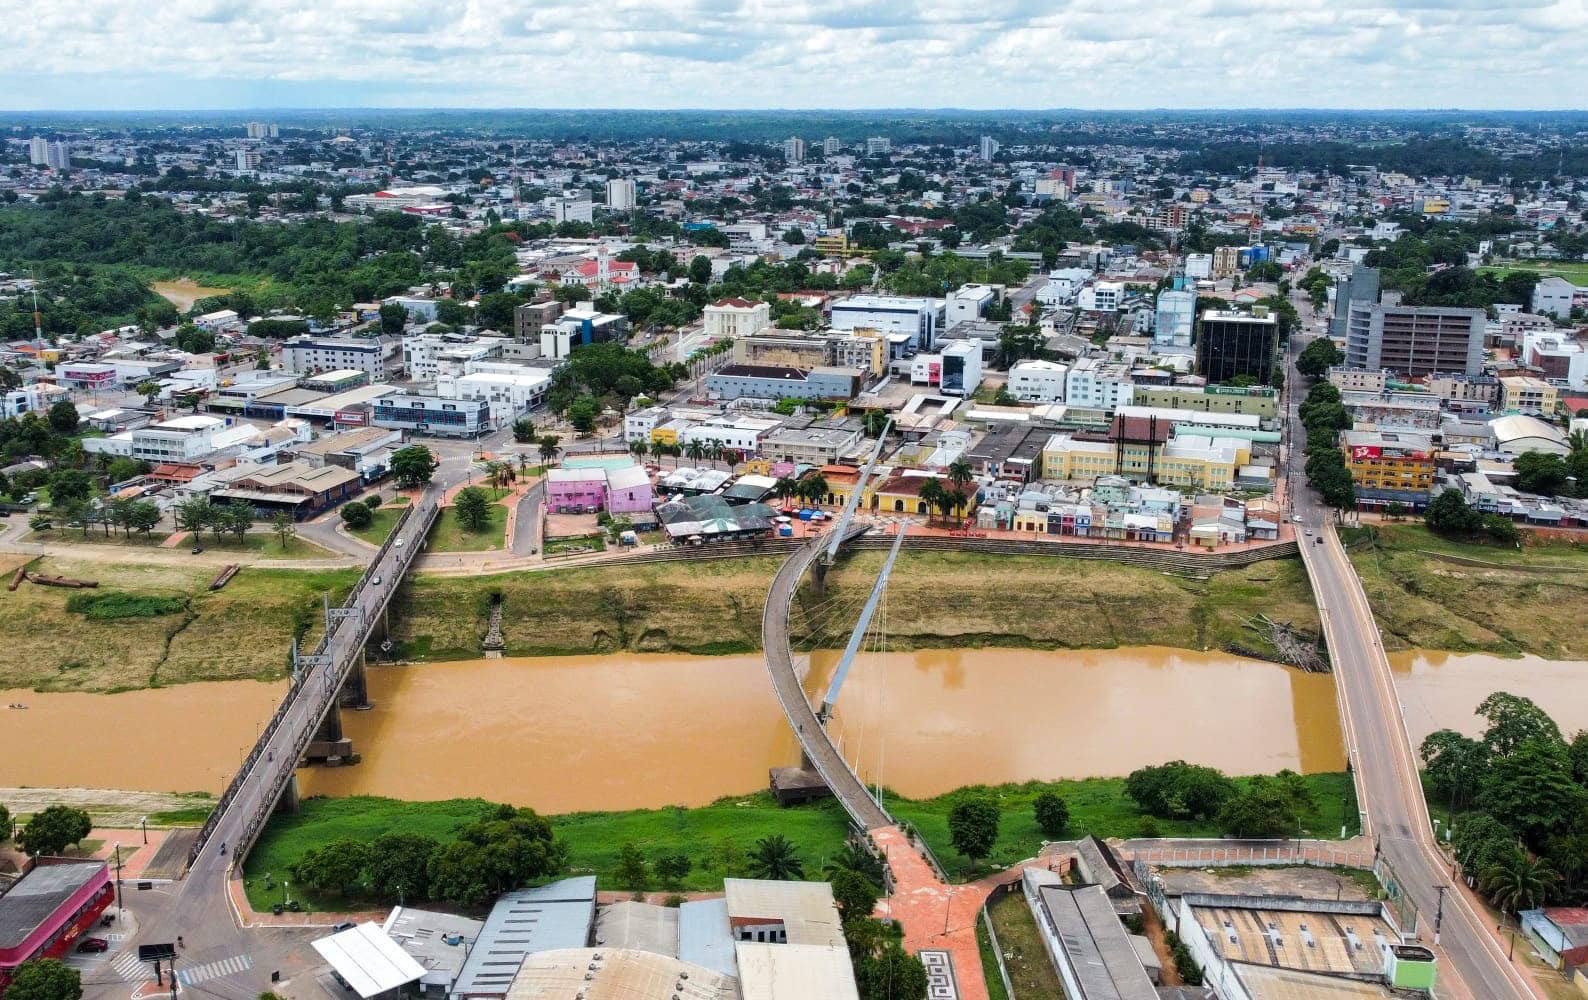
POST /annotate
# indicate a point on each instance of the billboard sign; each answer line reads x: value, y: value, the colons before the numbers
x: 1365, y: 452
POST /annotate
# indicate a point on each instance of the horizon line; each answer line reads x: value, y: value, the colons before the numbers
x: 880, y: 109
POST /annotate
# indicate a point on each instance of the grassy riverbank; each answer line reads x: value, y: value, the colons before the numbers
x: 1429, y: 592
x: 241, y: 631
x: 935, y: 599
x: 719, y: 838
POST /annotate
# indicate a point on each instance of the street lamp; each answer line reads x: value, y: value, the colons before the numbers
x: 144, y: 822
x: 118, y: 878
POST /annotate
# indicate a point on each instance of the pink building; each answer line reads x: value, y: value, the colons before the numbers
x: 629, y: 491
x: 43, y: 914
x: 576, y: 491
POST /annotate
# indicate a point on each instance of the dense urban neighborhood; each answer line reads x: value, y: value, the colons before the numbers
x: 533, y: 487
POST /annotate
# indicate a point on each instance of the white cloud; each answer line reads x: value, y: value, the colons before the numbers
x: 816, y: 53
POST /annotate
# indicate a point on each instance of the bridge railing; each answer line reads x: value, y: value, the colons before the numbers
x: 311, y: 681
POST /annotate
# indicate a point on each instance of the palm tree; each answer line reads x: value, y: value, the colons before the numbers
x: 1517, y: 882
x: 874, y: 422
x: 775, y: 858
x: 715, y: 453
x: 1577, y: 441
x: 638, y: 447
x: 960, y: 473
x: 784, y: 488
x: 854, y: 858
x: 548, y: 448
x: 815, y: 489
x: 695, y: 451
x: 932, y: 492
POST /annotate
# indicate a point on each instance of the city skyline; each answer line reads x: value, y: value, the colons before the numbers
x: 701, y: 54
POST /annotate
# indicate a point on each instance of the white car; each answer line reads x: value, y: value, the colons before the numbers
x: 399, y: 542
x: 1296, y: 518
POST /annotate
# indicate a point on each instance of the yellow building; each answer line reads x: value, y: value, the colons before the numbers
x: 832, y: 245
x: 1526, y: 394
x: 1390, y: 466
x: 1194, y: 461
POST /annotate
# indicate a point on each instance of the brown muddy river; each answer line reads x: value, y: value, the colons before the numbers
x: 629, y: 731
x: 188, y: 738
x: 1441, y: 690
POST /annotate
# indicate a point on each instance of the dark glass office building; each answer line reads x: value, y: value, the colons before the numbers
x: 1236, y: 343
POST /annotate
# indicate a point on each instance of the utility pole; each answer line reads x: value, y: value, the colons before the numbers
x: 1439, y: 911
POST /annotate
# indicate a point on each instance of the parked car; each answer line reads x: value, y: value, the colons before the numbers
x: 345, y: 925
x: 1319, y: 539
x: 93, y: 944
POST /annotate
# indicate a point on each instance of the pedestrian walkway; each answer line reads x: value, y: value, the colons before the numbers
x: 214, y: 970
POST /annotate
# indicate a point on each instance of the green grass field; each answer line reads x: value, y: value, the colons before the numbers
x: 718, y: 838
x: 1575, y: 271
x: 449, y: 534
x: 1430, y: 592
x: 260, y: 543
x: 1097, y: 806
x: 385, y: 518
x: 1030, y: 970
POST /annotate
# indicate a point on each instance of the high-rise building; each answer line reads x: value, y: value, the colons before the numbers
x: 247, y: 158
x: 1231, y: 344
x: 1175, y: 316
x: 988, y: 148
x: 620, y: 194
x: 878, y: 144
x: 794, y: 149
x: 1361, y: 285
x: 1414, y: 341
x: 275, y: 131
x: 263, y: 130
x: 39, y: 151
x: 831, y: 146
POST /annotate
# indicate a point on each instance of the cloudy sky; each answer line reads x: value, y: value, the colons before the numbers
x: 194, y: 54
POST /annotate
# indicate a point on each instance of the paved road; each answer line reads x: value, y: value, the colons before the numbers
x: 526, y: 523
x: 200, y: 910
x: 829, y: 763
x: 1381, y: 753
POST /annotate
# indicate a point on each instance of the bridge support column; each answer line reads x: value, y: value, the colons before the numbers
x: 355, y: 692
x: 330, y: 730
x: 819, y: 578
x: 289, y: 801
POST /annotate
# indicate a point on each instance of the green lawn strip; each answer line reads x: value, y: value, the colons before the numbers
x: 1097, y: 806
x: 449, y: 534
x: 989, y: 963
x: 1030, y: 970
x: 717, y: 838
x: 380, y: 525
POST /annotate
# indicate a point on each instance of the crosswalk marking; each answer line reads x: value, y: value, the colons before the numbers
x: 214, y: 970
x: 128, y: 967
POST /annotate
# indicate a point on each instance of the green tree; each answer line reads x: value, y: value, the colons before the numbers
x: 633, y: 872
x: 855, y: 895
x: 547, y: 445
x: 194, y: 515
x: 1266, y: 807
x: 582, y: 414
x: 890, y: 974
x: 854, y: 857
x: 284, y: 528
x: 775, y: 858
x: 1531, y: 790
x: 700, y: 270
x: 148, y: 390
x: 336, y: 868
x: 1178, y: 790
x: 141, y: 516
x: 973, y: 827
x: 1536, y: 472
x: 413, y: 466
x: 1516, y: 882
x: 672, y: 868
x: 1513, y: 719
x: 1480, y: 840
x: 393, y: 317
x: 45, y: 979
x: 5, y: 823
x: 356, y: 516
x: 1450, y: 514
x: 1052, y: 813
x: 1454, y: 765
x: 69, y: 486
x: 399, y: 866
x: 51, y: 830
x: 63, y: 417
x: 523, y: 431
x: 1318, y: 357
x: 459, y: 874
x: 473, y: 508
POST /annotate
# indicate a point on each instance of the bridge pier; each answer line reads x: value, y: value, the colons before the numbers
x: 328, y: 745
x: 290, y: 801
x: 355, y: 692
x: 819, y: 579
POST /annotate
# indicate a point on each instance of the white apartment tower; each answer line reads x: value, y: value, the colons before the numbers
x: 620, y: 194
x: 794, y: 149
x: 988, y: 147
x: 878, y: 144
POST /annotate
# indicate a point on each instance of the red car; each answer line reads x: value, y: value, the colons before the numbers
x: 93, y: 944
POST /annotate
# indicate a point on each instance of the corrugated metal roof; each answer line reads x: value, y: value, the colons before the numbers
x: 785, y: 971
x: 526, y: 922
x: 704, y: 937
x: 370, y: 961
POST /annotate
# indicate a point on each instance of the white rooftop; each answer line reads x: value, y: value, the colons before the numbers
x: 370, y: 961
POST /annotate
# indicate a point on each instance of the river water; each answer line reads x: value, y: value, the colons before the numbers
x: 1442, y: 690
x: 636, y: 730
x: 631, y: 730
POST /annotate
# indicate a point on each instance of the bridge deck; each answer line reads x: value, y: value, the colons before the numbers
x: 846, y: 786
